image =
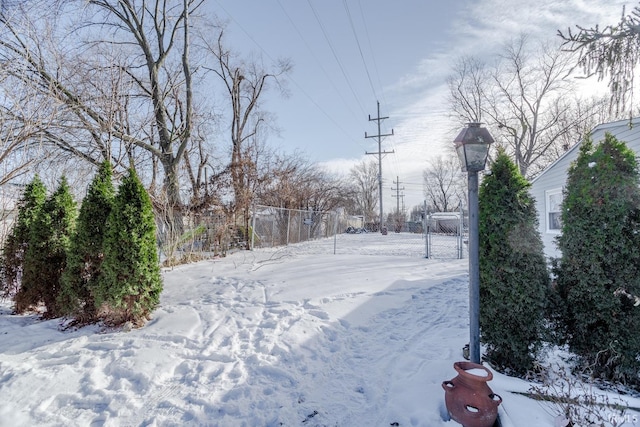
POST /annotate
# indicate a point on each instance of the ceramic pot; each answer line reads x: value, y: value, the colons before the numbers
x: 468, y: 398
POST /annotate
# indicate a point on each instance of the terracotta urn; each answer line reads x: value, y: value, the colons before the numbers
x: 468, y: 398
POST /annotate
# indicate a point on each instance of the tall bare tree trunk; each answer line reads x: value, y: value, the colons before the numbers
x: 245, y: 84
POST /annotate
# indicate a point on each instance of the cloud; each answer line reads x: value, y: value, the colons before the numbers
x: 417, y: 102
x: 487, y: 23
x: 422, y: 125
x: 339, y: 166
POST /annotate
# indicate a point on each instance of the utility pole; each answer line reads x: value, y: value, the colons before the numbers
x: 399, y: 223
x: 379, y: 136
x: 398, y: 195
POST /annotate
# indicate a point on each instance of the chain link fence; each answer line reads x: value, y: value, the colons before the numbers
x: 438, y: 236
x: 280, y: 227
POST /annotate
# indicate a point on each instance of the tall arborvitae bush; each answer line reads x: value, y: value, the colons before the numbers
x: 514, y: 279
x: 46, y: 255
x: 598, y: 273
x: 13, y: 251
x: 86, y: 251
x: 130, y: 284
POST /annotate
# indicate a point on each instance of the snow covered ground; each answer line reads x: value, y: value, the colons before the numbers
x: 296, y: 336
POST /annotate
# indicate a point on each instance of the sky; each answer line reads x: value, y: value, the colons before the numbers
x: 349, y: 55
x: 292, y: 336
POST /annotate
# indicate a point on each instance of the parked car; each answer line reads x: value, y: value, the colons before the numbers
x: 354, y: 230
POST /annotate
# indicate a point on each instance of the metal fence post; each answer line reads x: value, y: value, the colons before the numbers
x: 253, y: 226
x: 427, y: 235
x: 335, y: 231
x: 460, y: 233
x: 288, y: 224
x: 273, y: 232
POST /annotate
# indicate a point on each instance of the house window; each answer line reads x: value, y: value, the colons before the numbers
x: 554, y: 210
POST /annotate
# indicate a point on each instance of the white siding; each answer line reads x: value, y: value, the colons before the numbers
x: 552, y: 178
x: 555, y: 176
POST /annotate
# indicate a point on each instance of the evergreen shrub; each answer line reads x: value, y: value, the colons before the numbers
x: 46, y: 255
x: 130, y: 283
x: 13, y: 251
x: 514, y: 279
x: 598, y: 273
x: 86, y: 251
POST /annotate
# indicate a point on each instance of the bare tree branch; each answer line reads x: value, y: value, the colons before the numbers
x: 528, y: 100
x: 613, y: 52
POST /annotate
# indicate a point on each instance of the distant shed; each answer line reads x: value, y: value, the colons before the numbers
x: 444, y: 222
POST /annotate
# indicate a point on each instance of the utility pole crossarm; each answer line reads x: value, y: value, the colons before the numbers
x: 379, y: 135
x: 379, y: 152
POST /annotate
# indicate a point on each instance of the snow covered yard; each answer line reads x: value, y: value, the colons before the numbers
x: 295, y: 336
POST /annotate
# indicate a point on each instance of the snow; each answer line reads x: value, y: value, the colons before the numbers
x: 297, y: 336
x: 477, y: 372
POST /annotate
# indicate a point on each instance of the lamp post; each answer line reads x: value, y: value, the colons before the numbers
x: 472, y: 146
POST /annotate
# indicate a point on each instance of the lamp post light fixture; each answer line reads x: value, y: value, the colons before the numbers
x: 472, y: 146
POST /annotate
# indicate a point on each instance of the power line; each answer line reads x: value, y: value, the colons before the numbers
x: 318, y: 62
x: 373, y: 58
x: 335, y: 55
x: 300, y: 87
x: 355, y: 35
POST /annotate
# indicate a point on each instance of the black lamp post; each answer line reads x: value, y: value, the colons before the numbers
x: 472, y: 146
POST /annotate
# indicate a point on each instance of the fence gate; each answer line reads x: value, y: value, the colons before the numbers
x: 446, y: 235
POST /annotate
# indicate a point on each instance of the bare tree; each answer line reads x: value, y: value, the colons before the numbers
x: 158, y: 33
x: 577, y: 121
x: 245, y: 83
x: 128, y: 81
x: 467, y: 84
x: 292, y: 176
x: 301, y: 185
x: 364, y: 177
x: 119, y: 78
x: 528, y: 100
x: 19, y: 120
x: 444, y: 184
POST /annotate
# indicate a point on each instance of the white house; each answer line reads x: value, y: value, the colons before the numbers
x: 547, y: 187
